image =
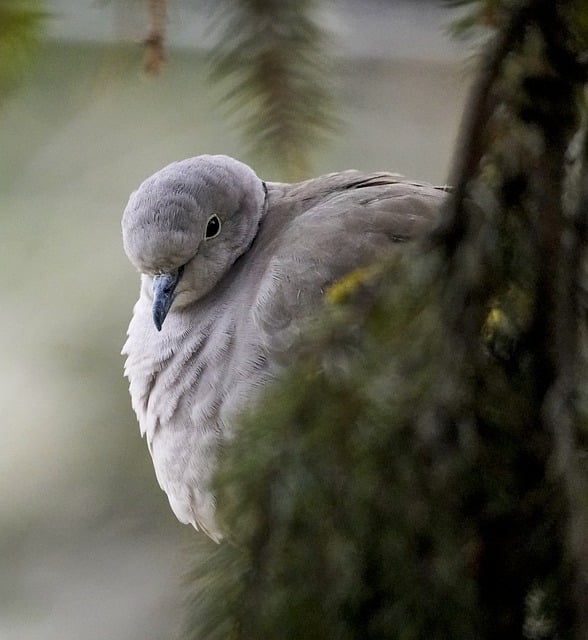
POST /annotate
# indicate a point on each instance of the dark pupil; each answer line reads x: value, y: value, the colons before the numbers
x: 212, y: 227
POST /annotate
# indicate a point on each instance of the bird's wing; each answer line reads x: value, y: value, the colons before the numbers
x: 329, y: 227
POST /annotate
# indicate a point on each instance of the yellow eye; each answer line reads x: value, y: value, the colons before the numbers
x: 213, y: 227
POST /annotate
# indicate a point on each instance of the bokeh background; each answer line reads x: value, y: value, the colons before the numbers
x: 88, y: 546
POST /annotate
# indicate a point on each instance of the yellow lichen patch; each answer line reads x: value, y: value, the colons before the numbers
x: 340, y: 290
x: 495, y: 321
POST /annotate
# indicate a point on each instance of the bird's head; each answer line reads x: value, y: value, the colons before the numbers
x: 186, y: 225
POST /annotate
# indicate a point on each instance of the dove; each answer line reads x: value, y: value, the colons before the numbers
x: 233, y: 268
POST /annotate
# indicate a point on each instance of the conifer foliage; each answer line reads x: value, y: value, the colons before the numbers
x: 272, y: 57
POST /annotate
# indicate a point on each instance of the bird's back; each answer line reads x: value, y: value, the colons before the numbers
x: 327, y: 227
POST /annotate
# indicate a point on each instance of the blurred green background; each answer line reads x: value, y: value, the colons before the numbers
x: 88, y: 545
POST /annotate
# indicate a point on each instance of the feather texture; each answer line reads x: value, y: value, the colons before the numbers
x: 281, y: 246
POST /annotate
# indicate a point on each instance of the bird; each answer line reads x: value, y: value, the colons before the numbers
x: 233, y: 269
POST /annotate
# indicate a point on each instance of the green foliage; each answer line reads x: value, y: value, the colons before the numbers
x: 21, y: 23
x: 311, y: 508
x: 349, y: 519
x: 272, y: 56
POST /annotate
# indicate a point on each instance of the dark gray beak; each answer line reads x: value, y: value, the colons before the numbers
x: 164, y: 286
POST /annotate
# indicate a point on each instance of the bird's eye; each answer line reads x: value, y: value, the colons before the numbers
x: 213, y: 227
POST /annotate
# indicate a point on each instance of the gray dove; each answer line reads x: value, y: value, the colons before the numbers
x: 232, y: 268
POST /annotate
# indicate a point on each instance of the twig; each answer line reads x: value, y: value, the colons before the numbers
x: 155, y: 41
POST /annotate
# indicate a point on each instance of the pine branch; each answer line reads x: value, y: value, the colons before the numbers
x: 271, y: 54
x: 506, y: 230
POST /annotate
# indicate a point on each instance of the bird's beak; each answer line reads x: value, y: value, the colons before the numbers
x: 164, y: 286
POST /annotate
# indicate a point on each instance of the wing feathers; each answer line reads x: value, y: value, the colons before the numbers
x: 328, y: 227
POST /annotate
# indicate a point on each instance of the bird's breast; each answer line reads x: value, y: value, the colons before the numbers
x: 187, y: 384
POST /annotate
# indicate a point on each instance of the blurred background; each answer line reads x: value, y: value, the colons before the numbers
x: 88, y: 545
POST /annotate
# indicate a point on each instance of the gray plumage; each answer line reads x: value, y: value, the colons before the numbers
x: 232, y: 267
